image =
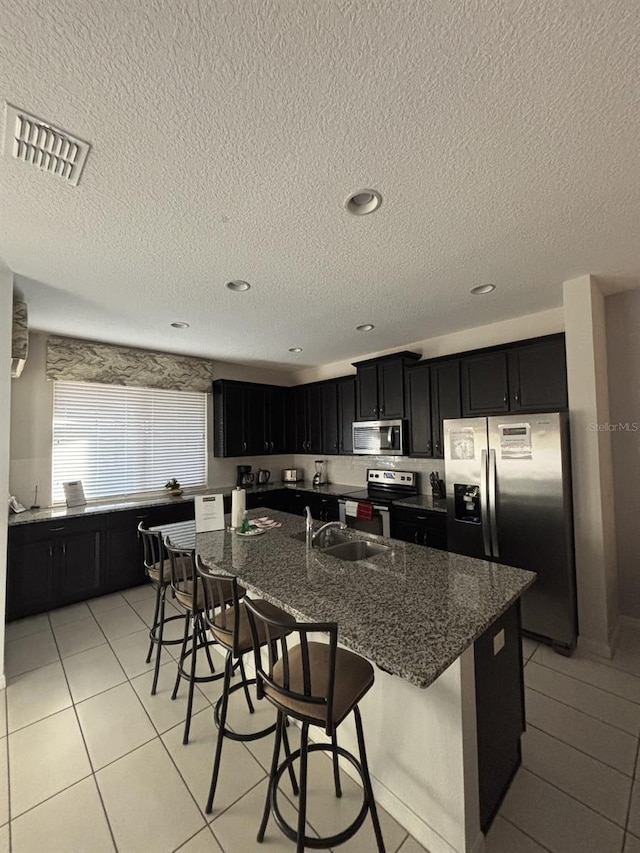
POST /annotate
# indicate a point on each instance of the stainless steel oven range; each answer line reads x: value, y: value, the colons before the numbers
x: 368, y: 510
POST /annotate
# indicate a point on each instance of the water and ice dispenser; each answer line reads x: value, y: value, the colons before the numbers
x: 467, y: 503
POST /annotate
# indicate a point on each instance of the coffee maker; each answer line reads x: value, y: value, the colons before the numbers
x: 245, y: 477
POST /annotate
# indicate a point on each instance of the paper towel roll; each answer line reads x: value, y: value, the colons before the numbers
x: 238, y: 506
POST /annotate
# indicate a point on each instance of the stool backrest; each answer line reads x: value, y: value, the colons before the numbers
x: 183, y: 569
x: 152, y: 548
x: 221, y: 603
x: 281, y: 648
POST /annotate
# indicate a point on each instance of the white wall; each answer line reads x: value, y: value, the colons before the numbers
x: 6, y: 318
x: 594, y: 519
x: 623, y: 348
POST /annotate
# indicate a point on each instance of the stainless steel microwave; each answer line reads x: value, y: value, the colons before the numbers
x: 379, y: 438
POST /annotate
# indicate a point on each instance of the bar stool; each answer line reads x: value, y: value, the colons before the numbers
x: 190, y: 597
x: 226, y: 617
x: 317, y: 684
x: 159, y: 573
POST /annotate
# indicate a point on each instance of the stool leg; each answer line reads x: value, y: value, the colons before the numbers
x: 302, y: 800
x: 287, y: 752
x: 228, y: 667
x: 203, y: 635
x: 367, y: 781
x: 336, y: 766
x: 246, y: 687
x: 275, y: 758
x: 154, y: 624
x: 160, y: 629
x: 183, y: 651
x: 192, y: 681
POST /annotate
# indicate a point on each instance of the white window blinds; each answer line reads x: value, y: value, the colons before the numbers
x: 121, y: 440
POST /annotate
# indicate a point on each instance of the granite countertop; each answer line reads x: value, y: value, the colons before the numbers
x: 411, y: 610
x: 427, y: 502
x: 128, y: 503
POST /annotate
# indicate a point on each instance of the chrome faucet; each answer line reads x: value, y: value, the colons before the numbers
x: 311, y: 536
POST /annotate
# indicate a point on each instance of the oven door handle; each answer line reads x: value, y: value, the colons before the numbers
x: 379, y: 508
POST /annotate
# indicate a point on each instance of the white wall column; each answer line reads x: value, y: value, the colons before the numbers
x: 6, y: 319
x: 594, y: 519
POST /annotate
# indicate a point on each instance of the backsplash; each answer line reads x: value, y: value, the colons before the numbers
x: 352, y: 470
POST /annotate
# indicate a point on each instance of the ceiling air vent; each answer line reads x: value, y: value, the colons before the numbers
x: 40, y: 144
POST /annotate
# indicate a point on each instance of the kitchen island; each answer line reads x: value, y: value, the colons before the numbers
x: 418, y: 614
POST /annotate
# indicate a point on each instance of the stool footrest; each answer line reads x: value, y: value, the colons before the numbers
x: 241, y: 736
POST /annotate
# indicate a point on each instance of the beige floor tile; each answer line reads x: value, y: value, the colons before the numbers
x: 236, y: 828
x: 3, y: 713
x: 162, y: 815
x: 165, y: 713
x: 75, y: 637
x: 598, y: 786
x: 24, y: 627
x: 92, y: 671
x: 329, y: 814
x: 4, y: 839
x: 74, y: 818
x: 4, y: 783
x: 37, y: 694
x: 597, y: 739
x: 411, y: 846
x: 239, y: 771
x: 631, y: 844
x: 131, y: 651
x: 72, y: 613
x: 592, y: 672
x: 614, y: 710
x: 504, y: 837
x: 119, y: 622
x: 145, y: 609
x: 557, y: 821
x: 139, y: 593
x: 106, y: 602
x: 629, y: 638
x: 45, y: 758
x: 203, y: 842
x: 634, y: 810
x: 29, y: 653
x: 113, y: 724
x: 528, y: 648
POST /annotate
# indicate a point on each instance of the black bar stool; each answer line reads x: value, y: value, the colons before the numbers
x: 159, y: 573
x: 319, y: 685
x: 226, y: 617
x: 190, y: 597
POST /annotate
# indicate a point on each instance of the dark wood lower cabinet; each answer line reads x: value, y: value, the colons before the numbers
x: 52, y: 564
x: 422, y: 527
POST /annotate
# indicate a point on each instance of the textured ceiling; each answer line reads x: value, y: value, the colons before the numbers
x: 226, y: 136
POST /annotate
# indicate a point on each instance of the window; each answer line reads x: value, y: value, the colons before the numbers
x: 121, y: 440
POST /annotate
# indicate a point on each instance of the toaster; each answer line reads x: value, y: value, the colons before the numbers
x: 292, y: 475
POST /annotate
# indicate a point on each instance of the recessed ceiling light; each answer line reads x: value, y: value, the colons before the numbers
x: 238, y: 285
x: 364, y: 201
x: 295, y: 349
x: 180, y: 325
x: 365, y: 327
x: 482, y: 288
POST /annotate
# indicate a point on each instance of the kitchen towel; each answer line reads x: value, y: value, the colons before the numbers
x: 238, y: 506
x: 351, y: 508
x: 365, y: 511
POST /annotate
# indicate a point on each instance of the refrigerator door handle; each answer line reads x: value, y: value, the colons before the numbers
x: 484, y: 503
x: 492, y: 503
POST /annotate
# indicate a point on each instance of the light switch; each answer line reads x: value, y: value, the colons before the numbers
x: 498, y: 642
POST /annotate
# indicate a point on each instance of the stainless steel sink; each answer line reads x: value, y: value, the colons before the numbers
x: 329, y: 537
x: 355, y: 549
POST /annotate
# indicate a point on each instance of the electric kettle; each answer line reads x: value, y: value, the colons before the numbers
x: 263, y: 476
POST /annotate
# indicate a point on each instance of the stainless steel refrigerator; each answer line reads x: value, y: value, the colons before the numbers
x: 508, y: 482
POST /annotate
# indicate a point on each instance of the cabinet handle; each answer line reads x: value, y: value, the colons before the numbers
x: 375, y: 410
x: 421, y: 517
x: 429, y: 448
x: 266, y: 445
x: 437, y: 448
x: 50, y: 551
x: 424, y: 538
x: 271, y: 446
x: 382, y: 410
x: 415, y: 536
x: 517, y: 396
x: 336, y: 445
x: 56, y: 529
x: 244, y: 445
x: 64, y: 549
x: 505, y: 399
x: 140, y: 517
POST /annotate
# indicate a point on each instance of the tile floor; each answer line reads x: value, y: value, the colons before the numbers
x: 89, y: 761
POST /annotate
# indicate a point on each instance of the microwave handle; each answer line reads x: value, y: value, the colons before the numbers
x: 390, y: 438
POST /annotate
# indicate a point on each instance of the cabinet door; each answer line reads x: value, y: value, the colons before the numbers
x: 329, y: 395
x: 256, y: 419
x: 346, y: 414
x: 419, y: 406
x: 301, y: 419
x: 314, y: 410
x: 77, y: 574
x: 276, y: 422
x: 29, y: 577
x: 367, y: 392
x: 234, y: 416
x: 405, y: 532
x: 485, y: 388
x: 391, y: 389
x: 445, y: 400
x: 122, y: 560
x: 538, y: 377
x: 327, y: 509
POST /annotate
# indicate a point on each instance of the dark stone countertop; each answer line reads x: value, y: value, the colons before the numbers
x: 411, y: 610
x: 426, y: 502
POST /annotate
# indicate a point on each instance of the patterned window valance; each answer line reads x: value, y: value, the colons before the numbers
x: 74, y: 360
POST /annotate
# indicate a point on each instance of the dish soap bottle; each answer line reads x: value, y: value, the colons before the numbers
x: 245, y: 523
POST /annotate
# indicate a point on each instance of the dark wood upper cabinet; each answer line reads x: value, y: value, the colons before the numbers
x: 538, y: 376
x: 329, y: 395
x: 485, y: 384
x: 445, y: 400
x: 346, y: 413
x: 249, y: 418
x: 433, y: 392
x: 380, y: 390
x: 308, y: 418
x: 419, y: 404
